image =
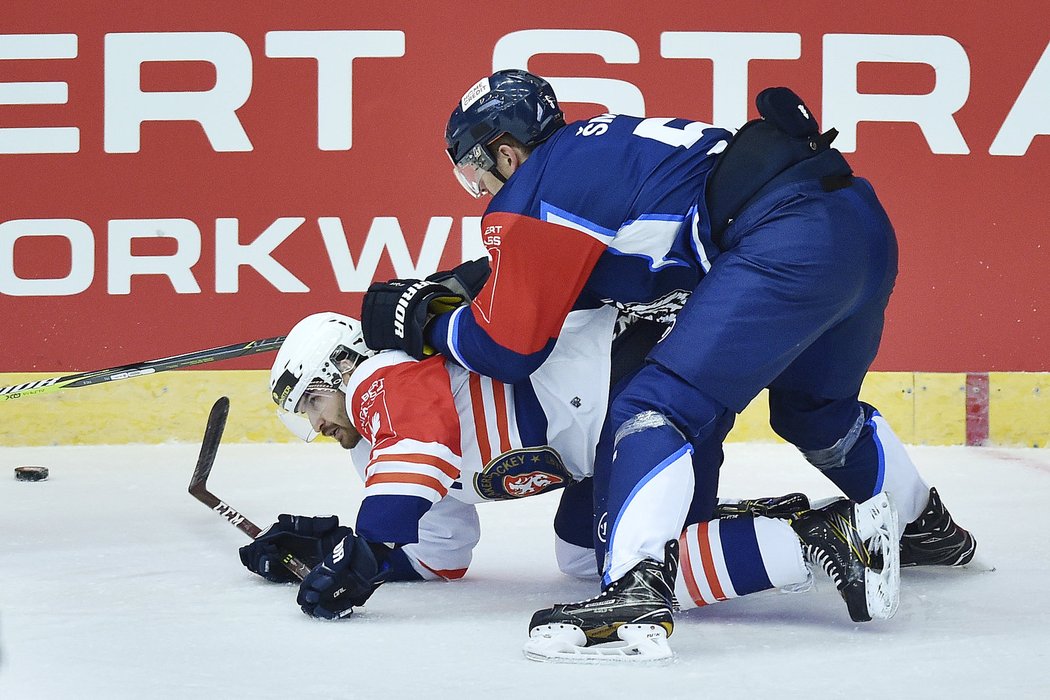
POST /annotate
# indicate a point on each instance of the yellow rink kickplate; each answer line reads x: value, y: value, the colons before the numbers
x: 928, y: 408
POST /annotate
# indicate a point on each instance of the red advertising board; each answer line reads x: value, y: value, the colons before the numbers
x: 183, y: 175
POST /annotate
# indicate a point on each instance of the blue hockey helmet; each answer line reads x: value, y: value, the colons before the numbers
x: 511, y: 101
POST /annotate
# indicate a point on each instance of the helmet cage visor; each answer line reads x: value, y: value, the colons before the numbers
x: 294, y: 387
x: 298, y: 424
x: 470, y: 168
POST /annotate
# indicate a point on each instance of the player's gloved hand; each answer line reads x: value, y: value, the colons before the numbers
x: 784, y: 109
x: 346, y: 577
x: 306, y: 538
x: 394, y: 313
x: 465, y: 279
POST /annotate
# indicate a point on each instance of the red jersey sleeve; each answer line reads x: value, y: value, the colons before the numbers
x: 538, y: 271
x: 404, y: 409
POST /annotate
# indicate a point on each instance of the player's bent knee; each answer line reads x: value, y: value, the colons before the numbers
x: 574, y: 560
x: 824, y: 430
x: 646, y: 420
x: 835, y: 456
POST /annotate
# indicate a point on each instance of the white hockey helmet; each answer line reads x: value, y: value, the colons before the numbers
x: 311, y: 357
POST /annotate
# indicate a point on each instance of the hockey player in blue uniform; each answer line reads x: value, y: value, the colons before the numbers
x: 771, y: 260
x: 431, y: 441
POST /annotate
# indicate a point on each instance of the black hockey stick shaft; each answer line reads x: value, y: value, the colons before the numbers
x: 138, y: 369
x: 199, y: 483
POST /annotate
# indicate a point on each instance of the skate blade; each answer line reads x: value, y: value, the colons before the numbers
x: 646, y: 644
x: 978, y: 564
x: 878, y: 525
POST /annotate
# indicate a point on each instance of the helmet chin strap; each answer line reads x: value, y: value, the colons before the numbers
x: 497, y: 174
x: 494, y: 170
x: 346, y: 370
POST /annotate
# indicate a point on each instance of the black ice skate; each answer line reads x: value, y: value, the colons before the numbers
x: 856, y: 545
x: 934, y: 539
x: 787, y: 507
x: 629, y: 621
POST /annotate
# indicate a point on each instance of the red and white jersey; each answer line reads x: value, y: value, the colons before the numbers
x: 435, y: 430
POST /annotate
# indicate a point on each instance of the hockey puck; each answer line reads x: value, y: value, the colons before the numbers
x: 31, y: 473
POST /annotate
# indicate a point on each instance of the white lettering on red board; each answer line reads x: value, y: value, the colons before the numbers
x: 127, y: 106
x: 385, y: 237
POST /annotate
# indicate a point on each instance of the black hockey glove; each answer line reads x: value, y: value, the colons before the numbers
x: 787, y: 112
x: 465, y: 279
x: 394, y: 314
x: 787, y: 507
x: 346, y: 577
x: 307, y: 538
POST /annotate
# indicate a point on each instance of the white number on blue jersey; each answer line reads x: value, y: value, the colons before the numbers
x: 657, y: 128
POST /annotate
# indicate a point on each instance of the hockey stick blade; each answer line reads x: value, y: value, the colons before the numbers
x: 213, y: 431
x: 199, y: 483
x: 138, y: 369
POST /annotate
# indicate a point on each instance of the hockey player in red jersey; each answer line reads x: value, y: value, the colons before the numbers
x: 774, y: 262
x: 431, y: 440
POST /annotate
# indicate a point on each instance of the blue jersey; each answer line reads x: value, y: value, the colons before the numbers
x: 608, y: 211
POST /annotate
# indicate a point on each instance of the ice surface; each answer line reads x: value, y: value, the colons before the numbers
x: 115, y: 583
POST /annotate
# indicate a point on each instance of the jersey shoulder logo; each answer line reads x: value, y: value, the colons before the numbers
x: 483, y: 302
x: 520, y: 473
x: 373, y: 415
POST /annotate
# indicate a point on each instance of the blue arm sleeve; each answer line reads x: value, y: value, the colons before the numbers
x: 400, y: 568
x: 390, y: 518
x: 458, y: 336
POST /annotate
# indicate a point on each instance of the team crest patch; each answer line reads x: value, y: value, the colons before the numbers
x: 521, y: 473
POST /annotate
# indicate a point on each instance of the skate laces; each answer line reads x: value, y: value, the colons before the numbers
x: 822, y: 554
x: 819, y: 557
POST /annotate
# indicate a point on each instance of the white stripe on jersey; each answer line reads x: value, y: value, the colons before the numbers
x: 407, y: 472
x: 778, y: 547
x: 701, y: 251
x: 781, y: 552
x: 563, y: 218
x: 650, y: 237
x: 409, y: 446
x: 410, y: 467
x: 450, y: 340
x: 692, y: 558
x: 500, y: 416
